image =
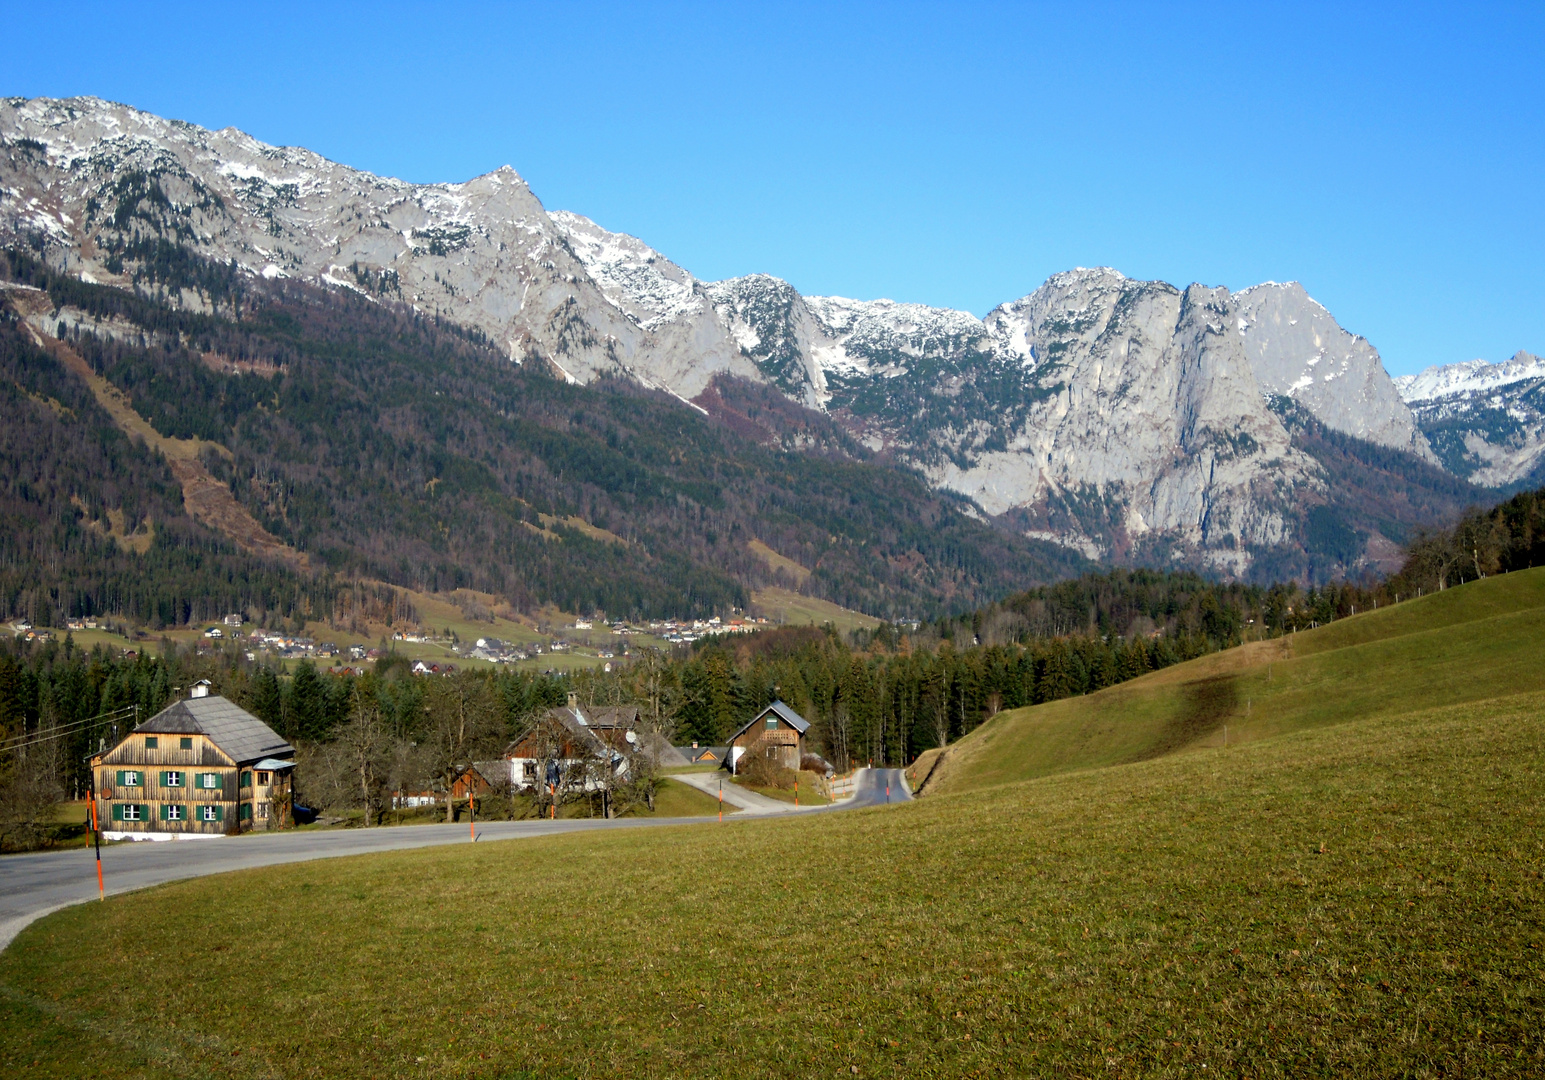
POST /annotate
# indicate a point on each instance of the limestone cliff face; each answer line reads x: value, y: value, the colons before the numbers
x: 1297, y: 349
x: 1112, y: 415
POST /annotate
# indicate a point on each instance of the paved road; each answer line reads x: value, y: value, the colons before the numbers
x: 31, y: 886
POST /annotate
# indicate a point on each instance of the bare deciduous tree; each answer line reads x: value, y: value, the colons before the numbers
x: 465, y: 722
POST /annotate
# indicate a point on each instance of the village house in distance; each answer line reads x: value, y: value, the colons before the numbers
x: 199, y: 768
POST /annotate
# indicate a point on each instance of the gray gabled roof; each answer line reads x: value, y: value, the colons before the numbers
x: 230, y: 727
x: 786, y: 714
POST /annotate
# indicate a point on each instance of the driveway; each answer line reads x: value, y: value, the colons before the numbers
x: 33, y: 885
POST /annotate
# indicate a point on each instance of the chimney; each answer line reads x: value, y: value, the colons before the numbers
x: 573, y: 700
x: 200, y: 689
x: 694, y: 744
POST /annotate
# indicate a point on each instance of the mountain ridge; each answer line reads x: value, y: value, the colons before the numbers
x: 1120, y: 418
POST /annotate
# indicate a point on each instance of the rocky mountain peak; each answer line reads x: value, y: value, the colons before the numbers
x: 1104, y: 412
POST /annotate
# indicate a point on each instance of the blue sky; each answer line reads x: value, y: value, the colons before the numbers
x: 1390, y: 158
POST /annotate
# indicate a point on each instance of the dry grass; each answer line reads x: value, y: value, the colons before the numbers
x: 792, y: 609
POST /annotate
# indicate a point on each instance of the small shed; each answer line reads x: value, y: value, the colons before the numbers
x: 777, y: 732
x: 473, y: 781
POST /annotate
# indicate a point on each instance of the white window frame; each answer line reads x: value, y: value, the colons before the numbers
x: 263, y: 779
x: 209, y: 781
x: 208, y: 813
x: 131, y: 812
x: 262, y: 811
x: 174, y: 813
x: 174, y: 778
x: 130, y: 778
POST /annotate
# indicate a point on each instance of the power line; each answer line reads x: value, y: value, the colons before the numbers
x: 74, y: 727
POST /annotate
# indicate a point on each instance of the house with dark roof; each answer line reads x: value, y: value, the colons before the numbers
x: 703, y: 755
x: 198, y: 768
x: 776, y: 732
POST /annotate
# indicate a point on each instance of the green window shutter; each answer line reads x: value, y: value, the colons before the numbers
x: 163, y: 812
x: 219, y: 782
x: 163, y: 779
x: 246, y: 779
x: 144, y: 813
x: 219, y: 813
x: 120, y: 778
x: 118, y: 811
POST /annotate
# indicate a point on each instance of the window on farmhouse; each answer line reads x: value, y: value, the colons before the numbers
x: 185, y: 743
x: 151, y: 742
x: 262, y: 809
x: 209, y: 781
x: 131, y: 779
x: 772, y: 723
x: 174, y: 813
x: 130, y: 812
x: 209, y: 813
x: 174, y: 779
x: 262, y: 778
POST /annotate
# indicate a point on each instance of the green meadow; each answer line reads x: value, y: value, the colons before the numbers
x: 1471, y: 643
x: 1100, y: 887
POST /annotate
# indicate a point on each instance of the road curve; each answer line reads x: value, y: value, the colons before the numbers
x: 33, y: 885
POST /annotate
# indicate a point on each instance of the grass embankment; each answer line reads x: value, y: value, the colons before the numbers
x: 1469, y: 643
x: 1357, y: 900
x: 808, y: 792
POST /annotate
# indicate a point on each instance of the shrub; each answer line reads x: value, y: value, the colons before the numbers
x: 761, y: 771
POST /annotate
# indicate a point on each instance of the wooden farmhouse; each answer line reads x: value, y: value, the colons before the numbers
x: 574, y: 737
x: 202, y: 767
x: 776, y: 732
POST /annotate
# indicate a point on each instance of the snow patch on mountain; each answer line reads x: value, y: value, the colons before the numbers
x: 1469, y: 377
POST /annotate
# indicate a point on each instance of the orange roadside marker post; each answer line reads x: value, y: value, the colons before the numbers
x: 471, y: 815
x: 96, y: 830
x: 796, y: 789
x: 553, y: 791
x: 721, y: 801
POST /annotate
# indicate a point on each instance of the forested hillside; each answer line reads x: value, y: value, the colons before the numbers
x: 388, y: 446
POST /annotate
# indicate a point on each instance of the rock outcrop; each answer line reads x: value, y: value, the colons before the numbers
x: 1112, y: 415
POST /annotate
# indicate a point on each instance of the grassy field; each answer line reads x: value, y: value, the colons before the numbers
x: 1355, y: 889
x: 1469, y: 643
x: 790, y: 608
x: 1363, y: 900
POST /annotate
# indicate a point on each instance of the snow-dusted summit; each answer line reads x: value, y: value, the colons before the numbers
x: 1110, y: 414
x: 1486, y: 421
